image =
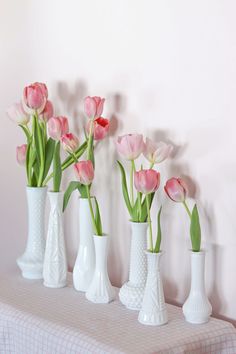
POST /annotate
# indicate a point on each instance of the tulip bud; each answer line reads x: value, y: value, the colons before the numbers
x: 17, y: 114
x: 130, y: 146
x: 147, y: 181
x: 21, y: 152
x: 156, y: 152
x: 93, y: 106
x: 100, y: 128
x: 47, y: 113
x: 84, y: 172
x: 176, y: 189
x: 70, y: 143
x: 35, y: 96
x: 57, y: 127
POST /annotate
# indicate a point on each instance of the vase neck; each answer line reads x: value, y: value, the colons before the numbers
x: 197, y: 271
x: 153, y: 261
x: 101, y: 248
x: 56, y: 200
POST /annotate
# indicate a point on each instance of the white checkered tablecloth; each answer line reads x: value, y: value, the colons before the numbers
x: 35, y: 319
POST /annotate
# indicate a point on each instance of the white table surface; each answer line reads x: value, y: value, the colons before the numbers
x: 35, y: 319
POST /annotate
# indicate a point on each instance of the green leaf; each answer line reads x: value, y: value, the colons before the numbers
x: 70, y: 189
x: 57, y: 172
x: 98, y: 218
x: 125, y: 190
x: 28, y: 170
x: 195, y: 230
x: 49, y: 151
x: 158, y: 240
x: 144, y: 214
x: 69, y: 160
x: 91, y: 150
x: 27, y: 133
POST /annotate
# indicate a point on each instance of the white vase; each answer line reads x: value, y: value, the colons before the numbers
x: 55, y: 264
x: 131, y: 293
x: 153, y: 311
x: 197, y: 308
x: 31, y: 262
x: 100, y: 289
x: 85, y: 261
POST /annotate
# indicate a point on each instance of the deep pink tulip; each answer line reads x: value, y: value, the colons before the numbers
x: 57, y: 127
x: 21, y: 154
x: 130, y: 146
x: 147, y: 181
x: 156, y: 152
x: 176, y: 189
x: 17, y: 114
x: 84, y: 172
x: 69, y: 142
x: 100, y: 128
x: 35, y: 96
x: 93, y: 106
x: 47, y: 113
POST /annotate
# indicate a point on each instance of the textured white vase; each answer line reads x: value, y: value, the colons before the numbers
x: 85, y: 260
x: 31, y: 262
x: 153, y: 311
x: 197, y: 308
x: 131, y: 293
x: 55, y: 264
x: 100, y: 289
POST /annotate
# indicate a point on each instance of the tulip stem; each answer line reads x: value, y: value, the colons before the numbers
x: 90, y: 141
x: 149, y: 222
x: 91, y: 210
x: 132, y: 182
x: 151, y: 165
x: 187, y: 209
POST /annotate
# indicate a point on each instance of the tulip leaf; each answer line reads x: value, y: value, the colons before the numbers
x: 125, y: 190
x: 73, y: 185
x: 49, y: 151
x: 91, y: 150
x: 195, y: 230
x: 158, y: 240
x: 69, y: 160
x: 98, y: 218
x: 27, y: 133
x: 144, y: 214
x: 57, y: 172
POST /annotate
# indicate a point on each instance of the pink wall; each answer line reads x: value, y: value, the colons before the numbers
x: 167, y: 69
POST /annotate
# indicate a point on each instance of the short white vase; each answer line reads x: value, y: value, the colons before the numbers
x: 153, y: 311
x: 55, y: 264
x: 131, y: 293
x: 31, y: 262
x: 85, y: 260
x: 100, y: 289
x: 197, y: 308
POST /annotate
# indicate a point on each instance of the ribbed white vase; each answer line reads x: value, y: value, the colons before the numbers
x: 100, y: 289
x: 153, y: 311
x: 85, y: 260
x: 131, y: 293
x: 55, y: 263
x: 197, y: 308
x: 31, y: 262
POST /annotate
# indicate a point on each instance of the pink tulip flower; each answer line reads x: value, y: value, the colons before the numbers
x: 100, y: 128
x: 69, y: 142
x: 21, y: 154
x: 84, y: 172
x: 156, y: 152
x: 93, y: 106
x: 35, y: 96
x: 147, y: 181
x: 57, y: 127
x: 130, y: 146
x: 47, y: 113
x: 176, y: 189
x: 17, y: 114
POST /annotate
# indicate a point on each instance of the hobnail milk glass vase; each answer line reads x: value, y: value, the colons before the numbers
x: 85, y: 261
x: 131, y: 293
x: 153, y: 311
x: 100, y: 289
x: 197, y: 308
x: 55, y: 264
x: 31, y: 262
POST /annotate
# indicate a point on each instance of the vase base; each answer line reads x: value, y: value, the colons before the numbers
x: 105, y: 298
x: 30, y: 269
x: 81, y: 282
x: 55, y: 286
x: 131, y: 296
x: 197, y: 321
x: 153, y: 319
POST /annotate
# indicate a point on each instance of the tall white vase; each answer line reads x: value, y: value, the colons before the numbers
x: 153, y: 311
x: 55, y: 264
x: 197, y: 308
x: 100, y: 289
x: 131, y: 293
x: 85, y: 261
x: 31, y: 262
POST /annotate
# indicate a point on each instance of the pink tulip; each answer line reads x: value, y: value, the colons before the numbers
x: 156, y: 152
x: 84, y: 172
x: 35, y: 96
x: 176, y: 189
x: 147, y: 181
x: 93, y: 106
x: 57, y: 127
x: 70, y: 142
x: 130, y: 146
x: 47, y: 113
x: 100, y: 128
x: 21, y: 154
x: 17, y: 114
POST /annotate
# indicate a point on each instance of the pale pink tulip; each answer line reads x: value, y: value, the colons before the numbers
x: 57, y: 127
x: 93, y: 106
x: 156, y: 152
x: 147, y: 181
x: 100, y: 128
x: 35, y: 96
x: 176, y: 189
x: 17, y: 114
x: 47, y: 113
x: 130, y: 146
x: 21, y: 154
x: 84, y: 172
x: 70, y: 142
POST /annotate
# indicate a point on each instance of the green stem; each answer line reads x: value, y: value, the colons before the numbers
x: 139, y: 206
x: 91, y: 211
x: 90, y: 140
x: 149, y: 222
x: 151, y: 165
x: 41, y: 150
x: 187, y: 209
x: 132, y: 182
